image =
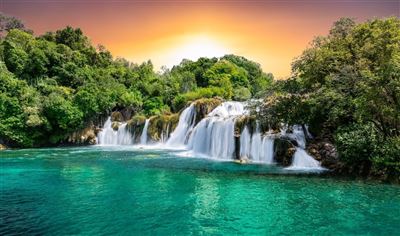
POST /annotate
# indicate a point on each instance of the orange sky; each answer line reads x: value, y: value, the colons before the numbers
x: 269, y: 32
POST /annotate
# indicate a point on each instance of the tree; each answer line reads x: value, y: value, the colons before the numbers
x: 7, y: 23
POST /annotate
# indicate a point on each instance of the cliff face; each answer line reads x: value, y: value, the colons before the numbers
x: 204, y: 106
x: 161, y: 126
x: 86, y: 136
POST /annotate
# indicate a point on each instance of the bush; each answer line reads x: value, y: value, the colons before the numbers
x: 241, y: 94
x: 181, y: 100
x: 356, y: 143
x: 387, y: 156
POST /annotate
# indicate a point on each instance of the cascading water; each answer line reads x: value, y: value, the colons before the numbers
x: 214, y: 135
x: 303, y: 161
x: 182, y: 130
x: 256, y: 148
x: 245, y: 142
x: 143, y: 136
x: 109, y: 136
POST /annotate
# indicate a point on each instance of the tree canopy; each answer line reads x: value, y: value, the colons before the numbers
x: 54, y: 84
x: 346, y: 87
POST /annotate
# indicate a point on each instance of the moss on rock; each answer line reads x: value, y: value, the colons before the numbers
x: 242, y: 121
x: 115, y: 125
x: 161, y: 126
x: 136, y: 125
x: 204, y: 106
x: 116, y: 116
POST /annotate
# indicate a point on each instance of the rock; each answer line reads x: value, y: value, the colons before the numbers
x: 161, y: 126
x: 136, y: 125
x: 85, y: 136
x: 283, y: 151
x: 325, y: 152
x: 204, y: 106
x: 3, y: 147
x: 244, y: 120
x: 115, y: 126
x: 116, y: 116
x: 244, y: 159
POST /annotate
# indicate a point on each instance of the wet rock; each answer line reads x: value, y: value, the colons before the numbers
x: 115, y: 126
x: 3, y: 147
x: 325, y: 152
x: 136, y: 125
x: 243, y: 121
x: 204, y: 106
x: 161, y: 126
x: 86, y: 136
x: 283, y: 151
x: 116, y: 116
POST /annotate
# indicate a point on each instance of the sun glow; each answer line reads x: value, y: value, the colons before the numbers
x: 192, y: 48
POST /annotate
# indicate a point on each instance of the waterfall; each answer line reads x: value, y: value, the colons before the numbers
x: 256, y: 144
x: 182, y: 130
x: 256, y: 148
x: 267, y: 152
x: 143, y: 137
x: 245, y: 142
x: 303, y: 161
x: 214, y: 135
x: 108, y: 136
x: 297, y: 134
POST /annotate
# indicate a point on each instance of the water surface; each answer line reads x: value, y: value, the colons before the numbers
x: 100, y: 190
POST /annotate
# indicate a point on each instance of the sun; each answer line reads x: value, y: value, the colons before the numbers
x: 193, y: 47
x: 200, y: 46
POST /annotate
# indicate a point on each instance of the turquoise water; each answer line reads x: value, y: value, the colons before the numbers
x: 106, y: 191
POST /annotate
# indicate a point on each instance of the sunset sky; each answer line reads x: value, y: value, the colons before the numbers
x: 272, y: 33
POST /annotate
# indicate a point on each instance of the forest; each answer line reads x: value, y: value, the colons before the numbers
x: 345, y: 86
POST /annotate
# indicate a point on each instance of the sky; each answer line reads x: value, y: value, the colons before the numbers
x: 270, y: 32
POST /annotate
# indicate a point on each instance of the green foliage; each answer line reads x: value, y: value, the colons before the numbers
x: 356, y: 143
x: 154, y: 106
x: 386, y: 157
x: 181, y: 100
x: 56, y: 83
x: 347, y: 84
x: 241, y: 94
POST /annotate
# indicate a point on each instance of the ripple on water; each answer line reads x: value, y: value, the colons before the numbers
x: 103, y: 190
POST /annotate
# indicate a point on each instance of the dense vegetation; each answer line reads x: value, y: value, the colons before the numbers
x: 54, y: 84
x: 346, y: 86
